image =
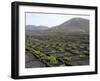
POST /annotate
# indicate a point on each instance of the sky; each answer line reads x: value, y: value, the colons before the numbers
x: 50, y: 20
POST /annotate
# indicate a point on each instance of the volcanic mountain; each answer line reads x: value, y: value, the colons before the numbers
x: 74, y: 25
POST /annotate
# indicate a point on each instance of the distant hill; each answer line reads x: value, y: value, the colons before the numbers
x: 74, y: 25
x: 35, y: 28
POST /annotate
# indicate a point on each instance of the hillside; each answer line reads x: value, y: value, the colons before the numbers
x: 74, y: 25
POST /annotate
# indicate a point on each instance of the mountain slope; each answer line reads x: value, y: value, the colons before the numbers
x: 73, y: 25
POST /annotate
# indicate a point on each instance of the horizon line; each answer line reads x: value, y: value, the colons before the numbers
x: 56, y: 25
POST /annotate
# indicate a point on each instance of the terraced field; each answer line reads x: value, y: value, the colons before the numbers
x: 53, y: 51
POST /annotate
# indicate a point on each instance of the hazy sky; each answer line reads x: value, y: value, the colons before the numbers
x: 49, y: 19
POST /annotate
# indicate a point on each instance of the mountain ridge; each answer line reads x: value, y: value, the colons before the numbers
x: 73, y: 25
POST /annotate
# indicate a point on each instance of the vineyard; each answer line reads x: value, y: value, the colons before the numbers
x: 62, y: 50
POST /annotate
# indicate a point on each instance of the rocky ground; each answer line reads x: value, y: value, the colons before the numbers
x: 31, y: 61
